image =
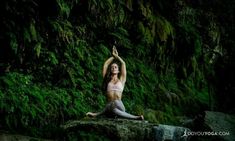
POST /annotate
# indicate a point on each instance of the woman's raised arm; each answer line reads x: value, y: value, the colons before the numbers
x: 106, y: 64
x: 123, y: 65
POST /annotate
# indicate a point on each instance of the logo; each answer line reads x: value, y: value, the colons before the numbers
x: 185, y: 134
x: 205, y: 133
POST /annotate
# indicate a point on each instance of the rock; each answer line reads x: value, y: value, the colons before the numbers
x: 16, y: 137
x: 167, y: 132
x: 195, y: 124
x: 119, y: 130
x: 109, y: 129
x: 221, y: 122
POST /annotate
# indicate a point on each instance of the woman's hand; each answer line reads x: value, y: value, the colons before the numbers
x: 115, y: 52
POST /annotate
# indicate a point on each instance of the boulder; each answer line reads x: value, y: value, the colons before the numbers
x: 120, y: 130
x: 221, y: 123
x: 168, y: 132
x: 16, y: 137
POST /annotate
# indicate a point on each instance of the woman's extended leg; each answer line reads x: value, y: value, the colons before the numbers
x: 120, y: 111
x: 126, y: 115
x: 118, y: 104
x: 107, y: 107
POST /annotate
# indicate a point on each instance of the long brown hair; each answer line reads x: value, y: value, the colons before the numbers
x: 107, y: 77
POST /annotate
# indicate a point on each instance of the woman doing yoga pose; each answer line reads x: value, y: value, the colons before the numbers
x: 114, y: 88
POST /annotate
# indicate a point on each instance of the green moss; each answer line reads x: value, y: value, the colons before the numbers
x: 87, y: 136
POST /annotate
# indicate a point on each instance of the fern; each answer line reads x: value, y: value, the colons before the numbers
x: 64, y: 8
x: 37, y: 49
x: 33, y: 32
x: 121, y: 36
x: 163, y: 28
x: 71, y: 76
x: 52, y: 58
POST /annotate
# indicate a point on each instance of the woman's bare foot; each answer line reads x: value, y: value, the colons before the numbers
x: 141, y: 117
x: 90, y: 114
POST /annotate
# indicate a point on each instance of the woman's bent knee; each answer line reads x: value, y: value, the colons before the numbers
x: 119, y: 105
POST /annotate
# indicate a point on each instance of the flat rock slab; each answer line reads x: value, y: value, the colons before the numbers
x: 109, y: 129
x: 120, y: 130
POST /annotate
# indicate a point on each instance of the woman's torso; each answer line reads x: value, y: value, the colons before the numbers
x: 114, y: 90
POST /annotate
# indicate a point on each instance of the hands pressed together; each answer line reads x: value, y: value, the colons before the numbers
x: 115, y: 52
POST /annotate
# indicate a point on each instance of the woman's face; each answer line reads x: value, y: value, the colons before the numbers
x: 114, y: 68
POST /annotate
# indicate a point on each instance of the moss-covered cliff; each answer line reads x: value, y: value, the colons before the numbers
x: 178, y: 54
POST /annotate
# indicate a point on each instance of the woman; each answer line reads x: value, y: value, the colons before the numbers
x: 114, y: 88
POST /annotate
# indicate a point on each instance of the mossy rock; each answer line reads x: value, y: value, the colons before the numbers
x: 108, y: 129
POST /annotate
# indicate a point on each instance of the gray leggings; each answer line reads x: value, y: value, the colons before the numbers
x: 117, y: 108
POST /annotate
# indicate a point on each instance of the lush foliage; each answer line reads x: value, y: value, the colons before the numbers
x: 52, y: 54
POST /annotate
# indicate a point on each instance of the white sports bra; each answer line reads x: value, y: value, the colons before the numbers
x: 115, y: 87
